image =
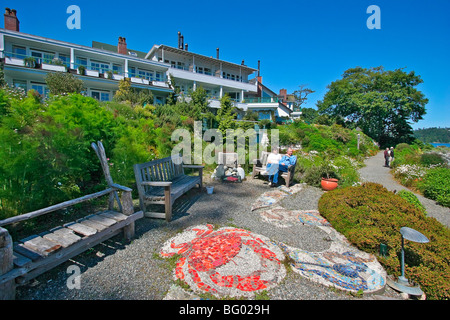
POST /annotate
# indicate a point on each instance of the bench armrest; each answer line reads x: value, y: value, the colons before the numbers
x: 121, y: 188
x: 257, y: 162
x: 157, y: 183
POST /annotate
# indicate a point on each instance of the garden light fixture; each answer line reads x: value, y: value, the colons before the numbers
x: 402, y: 284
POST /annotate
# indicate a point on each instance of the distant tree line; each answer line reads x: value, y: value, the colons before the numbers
x: 430, y: 135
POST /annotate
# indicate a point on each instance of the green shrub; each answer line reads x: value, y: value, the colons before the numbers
x: 45, y: 153
x: 430, y: 159
x: 63, y: 83
x: 435, y: 185
x: 401, y: 146
x: 370, y: 214
x: 412, y: 198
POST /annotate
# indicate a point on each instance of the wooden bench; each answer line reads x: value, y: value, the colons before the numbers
x: 260, y: 165
x: 163, y: 181
x: 26, y: 259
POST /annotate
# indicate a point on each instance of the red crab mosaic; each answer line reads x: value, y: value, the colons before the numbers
x: 227, y: 261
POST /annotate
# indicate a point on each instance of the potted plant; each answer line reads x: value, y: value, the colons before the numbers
x: 30, y: 62
x: 109, y: 74
x: 82, y: 70
x: 329, y: 178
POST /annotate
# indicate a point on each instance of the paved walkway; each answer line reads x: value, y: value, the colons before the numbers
x: 374, y: 171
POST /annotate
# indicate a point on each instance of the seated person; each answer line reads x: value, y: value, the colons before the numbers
x: 287, y: 160
x: 272, y: 163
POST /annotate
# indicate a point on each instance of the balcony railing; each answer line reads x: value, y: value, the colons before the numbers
x: 33, y: 61
x: 261, y: 100
x: 211, y: 74
x: 93, y: 71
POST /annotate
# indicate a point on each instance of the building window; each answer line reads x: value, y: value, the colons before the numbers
x: 100, y: 95
x: 159, y: 100
x: 81, y: 62
x: 180, y: 65
x: 19, y: 52
x: 159, y: 76
x: 146, y: 74
x: 131, y: 71
x: 40, y: 88
x: 101, y: 67
x: 65, y: 60
x: 42, y: 57
x: 20, y: 84
x: 117, y: 69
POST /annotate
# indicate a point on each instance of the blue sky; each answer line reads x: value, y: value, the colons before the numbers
x: 298, y: 42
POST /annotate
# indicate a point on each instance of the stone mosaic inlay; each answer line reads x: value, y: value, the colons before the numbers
x: 228, y: 261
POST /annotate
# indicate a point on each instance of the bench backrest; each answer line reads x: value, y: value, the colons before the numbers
x: 165, y: 169
x: 264, y: 156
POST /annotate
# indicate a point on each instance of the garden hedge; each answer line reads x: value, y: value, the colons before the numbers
x: 369, y: 215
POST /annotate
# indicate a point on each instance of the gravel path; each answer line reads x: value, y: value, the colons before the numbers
x: 116, y: 270
x: 374, y: 171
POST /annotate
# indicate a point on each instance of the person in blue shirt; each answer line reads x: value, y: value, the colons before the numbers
x: 287, y: 160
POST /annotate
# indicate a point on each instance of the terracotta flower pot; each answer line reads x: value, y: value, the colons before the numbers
x: 329, y: 184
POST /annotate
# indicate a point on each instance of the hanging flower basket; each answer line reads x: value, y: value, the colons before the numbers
x: 329, y: 184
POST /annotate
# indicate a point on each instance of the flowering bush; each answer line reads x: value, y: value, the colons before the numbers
x: 410, y: 174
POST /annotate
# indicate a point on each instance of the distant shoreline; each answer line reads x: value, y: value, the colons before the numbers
x: 435, y: 144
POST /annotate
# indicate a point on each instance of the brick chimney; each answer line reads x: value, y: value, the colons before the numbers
x: 11, y: 21
x: 283, y: 93
x: 122, y: 46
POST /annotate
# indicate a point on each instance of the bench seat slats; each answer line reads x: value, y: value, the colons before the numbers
x: 179, y: 185
x: 40, y: 245
x: 82, y: 229
x: 63, y: 237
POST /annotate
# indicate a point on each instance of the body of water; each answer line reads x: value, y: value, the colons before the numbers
x: 440, y: 144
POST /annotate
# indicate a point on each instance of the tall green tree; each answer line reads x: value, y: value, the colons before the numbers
x: 300, y: 96
x: 226, y: 114
x: 382, y: 103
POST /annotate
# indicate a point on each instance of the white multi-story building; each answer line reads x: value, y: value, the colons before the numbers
x: 29, y: 58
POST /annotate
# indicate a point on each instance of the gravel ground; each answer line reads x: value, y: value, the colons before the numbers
x: 374, y: 171
x: 122, y: 271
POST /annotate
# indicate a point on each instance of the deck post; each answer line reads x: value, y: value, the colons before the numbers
x: 128, y: 210
x: 8, y: 289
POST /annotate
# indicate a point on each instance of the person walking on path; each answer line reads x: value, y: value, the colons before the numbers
x: 373, y: 172
x: 386, y: 157
x: 391, y: 156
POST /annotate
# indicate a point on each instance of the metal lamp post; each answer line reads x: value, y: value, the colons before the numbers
x: 402, y: 284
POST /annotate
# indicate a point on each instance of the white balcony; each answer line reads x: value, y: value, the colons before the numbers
x: 139, y: 80
x: 117, y: 76
x: 212, y: 80
x: 14, y: 61
x: 52, y: 67
x: 90, y: 73
x: 160, y: 84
